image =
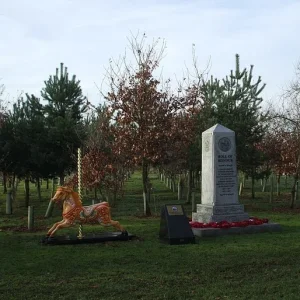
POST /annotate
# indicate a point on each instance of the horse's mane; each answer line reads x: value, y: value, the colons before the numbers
x: 66, y: 190
x: 76, y: 198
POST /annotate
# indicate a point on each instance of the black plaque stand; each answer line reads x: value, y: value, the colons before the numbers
x: 87, y: 239
x: 174, y: 226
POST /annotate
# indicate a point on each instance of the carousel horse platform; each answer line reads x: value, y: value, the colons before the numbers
x: 89, y: 238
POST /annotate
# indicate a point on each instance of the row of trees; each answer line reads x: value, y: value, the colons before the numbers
x: 39, y: 140
x: 143, y: 123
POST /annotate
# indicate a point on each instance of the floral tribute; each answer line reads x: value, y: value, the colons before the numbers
x: 226, y: 224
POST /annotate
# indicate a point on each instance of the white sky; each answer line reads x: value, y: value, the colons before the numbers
x: 36, y: 35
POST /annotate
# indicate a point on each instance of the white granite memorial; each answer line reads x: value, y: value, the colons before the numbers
x: 219, y: 198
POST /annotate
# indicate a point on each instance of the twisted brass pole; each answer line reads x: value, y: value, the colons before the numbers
x: 80, y: 234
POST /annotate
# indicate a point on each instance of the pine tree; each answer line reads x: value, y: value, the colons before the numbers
x: 235, y: 102
x: 23, y: 136
x: 64, y: 113
x: 64, y: 96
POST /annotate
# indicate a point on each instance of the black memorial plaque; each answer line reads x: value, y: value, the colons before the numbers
x: 174, y: 225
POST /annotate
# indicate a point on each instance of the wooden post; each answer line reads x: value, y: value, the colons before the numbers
x: 244, y: 180
x: 30, y: 217
x: 9, y: 203
x: 265, y: 184
x: 241, y: 188
x: 49, y: 211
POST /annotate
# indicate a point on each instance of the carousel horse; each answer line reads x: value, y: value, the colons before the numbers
x: 74, y: 212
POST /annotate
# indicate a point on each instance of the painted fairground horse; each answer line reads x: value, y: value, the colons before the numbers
x: 75, y: 213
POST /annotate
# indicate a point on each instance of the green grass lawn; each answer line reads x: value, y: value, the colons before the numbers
x: 254, y: 266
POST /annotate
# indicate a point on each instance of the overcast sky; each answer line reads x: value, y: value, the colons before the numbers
x: 36, y: 35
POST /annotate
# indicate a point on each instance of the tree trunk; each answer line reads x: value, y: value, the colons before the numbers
x: 61, y: 179
x: 272, y: 188
x: 296, y: 193
x: 26, y: 192
x: 193, y: 201
x: 146, y: 197
x: 4, y: 183
x: 193, y: 179
x: 9, y: 199
x: 95, y: 194
x: 114, y: 201
x: 173, y: 185
x: 189, y: 187
x: 278, y: 185
x: 53, y: 187
x: 17, y: 181
x: 293, y: 191
x: 252, y: 187
x: 47, y: 183
x: 112, y: 198
x: 180, y: 188
x: 13, y: 181
x: 38, y: 187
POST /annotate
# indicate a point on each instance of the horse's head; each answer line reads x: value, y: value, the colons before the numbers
x: 65, y: 192
x: 62, y: 194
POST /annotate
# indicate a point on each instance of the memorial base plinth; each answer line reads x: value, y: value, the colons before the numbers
x: 216, y: 213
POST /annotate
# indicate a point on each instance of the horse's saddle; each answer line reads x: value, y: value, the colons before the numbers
x: 88, y: 211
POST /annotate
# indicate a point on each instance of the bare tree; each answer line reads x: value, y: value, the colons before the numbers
x: 288, y: 118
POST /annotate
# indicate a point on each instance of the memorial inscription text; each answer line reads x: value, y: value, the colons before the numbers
x: 225, y: 175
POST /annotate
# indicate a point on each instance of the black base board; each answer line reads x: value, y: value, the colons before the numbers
x: 88, y: 238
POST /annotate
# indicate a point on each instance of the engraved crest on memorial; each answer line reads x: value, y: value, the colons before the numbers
x: 224, y: 144
x: 206, y: 144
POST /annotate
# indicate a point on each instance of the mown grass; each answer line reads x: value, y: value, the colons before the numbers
x: 250, y: 266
